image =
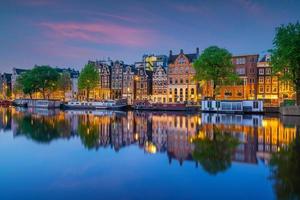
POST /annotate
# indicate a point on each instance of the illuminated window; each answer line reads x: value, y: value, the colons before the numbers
x: 261, y: 71
x: 268, y: 79
x: 274, y: 79
x: 268, y: 89
x: 274, y: 89
x: 261, y: 89
x: 268, y: 71
x: 261, y: 79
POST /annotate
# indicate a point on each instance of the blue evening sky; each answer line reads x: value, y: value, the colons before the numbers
x: 70, y: 32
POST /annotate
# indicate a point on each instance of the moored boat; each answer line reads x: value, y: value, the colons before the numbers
x: 234, y: 106
x: 146, y: 105
x: 106, y: 104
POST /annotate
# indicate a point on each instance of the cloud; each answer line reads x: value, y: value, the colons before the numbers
x: 100, y: 33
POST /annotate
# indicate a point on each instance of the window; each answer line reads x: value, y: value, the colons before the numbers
x: 274, y: 79
x: 268, y: 89
x: 255, y: 104
x: 274, y: 89
x: 261, y: 71
x: 261, y: 89
x: 240, y: 71
x: 192, y: 91
x: 268, y: 71
x: 181, y: 81
x: 268, y: 79
x: 240, y: 61
x: 171, y: 82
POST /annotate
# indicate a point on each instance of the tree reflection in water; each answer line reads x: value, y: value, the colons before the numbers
x: 89, y: 133
x: 42, y: 129
x: 214, y: 154
x: 285, y: 171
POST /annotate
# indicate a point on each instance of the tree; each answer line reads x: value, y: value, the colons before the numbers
x: 285, y: 56
x: 88, y: 79
x: 64, y: 82
x: 215, y: 65
x: 45, y: 78
x: 26, y: 83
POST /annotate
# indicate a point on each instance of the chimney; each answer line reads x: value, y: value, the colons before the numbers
x: 170, y: 53
x: 181, y: 50
x: 197, y: 50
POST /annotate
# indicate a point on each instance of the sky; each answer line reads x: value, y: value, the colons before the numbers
x: 68, y: 33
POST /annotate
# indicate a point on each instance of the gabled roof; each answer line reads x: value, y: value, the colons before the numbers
x: 191, y: 57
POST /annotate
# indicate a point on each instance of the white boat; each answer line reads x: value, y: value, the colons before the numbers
x: 226, y: 106
x: 106, y: 104
x: 43, y: 103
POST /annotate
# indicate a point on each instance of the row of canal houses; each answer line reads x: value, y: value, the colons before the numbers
x: 165, y: 79
x: 170, y: 79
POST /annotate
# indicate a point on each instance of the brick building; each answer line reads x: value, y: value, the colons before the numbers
x: 159, y: 85
x: 128, y: 89
x: 117, y: 69
x: 181, y: 84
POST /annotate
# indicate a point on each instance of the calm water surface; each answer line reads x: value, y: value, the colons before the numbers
x: 147, y: 155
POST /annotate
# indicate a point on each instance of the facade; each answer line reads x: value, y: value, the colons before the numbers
x: 181, y: 84
x: 245, y: 66
x: 5, y: 86
x: 15, y: 74
x: 104, y: 89
x: 152, y: 61
x: 159, y: 85
x: 143, y: 82
x: 117, y: 79
x: 128, y: 89
x: 270, y: 88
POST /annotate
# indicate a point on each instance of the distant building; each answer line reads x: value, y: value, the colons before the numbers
x: 117, y: 70
x: 143, y: 82
x: 152, y: 61
x: 270, y: 88
x: 181, y: 84
x: 129, y: 84
x: 15, y: 74
x: 103, y: 91
x: 159, y: 85
x: 245, y: 67
x: 5, y: 86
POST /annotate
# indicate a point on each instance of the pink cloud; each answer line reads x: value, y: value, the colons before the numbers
x: 250, y: 5
x: 100, y: 32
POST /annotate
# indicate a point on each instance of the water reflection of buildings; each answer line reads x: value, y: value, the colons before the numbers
x: 154, y: 132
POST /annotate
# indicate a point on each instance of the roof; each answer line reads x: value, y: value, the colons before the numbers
x: 192, y: 57
x: 19, y: 71
x: 265, y: 58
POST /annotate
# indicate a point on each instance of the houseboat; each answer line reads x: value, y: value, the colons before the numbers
x: 37, y: 103
x: 92, y: 105
x: 146, y: 105
x: 43, y: 103
x: 226, y: 106
x: 20, y: 102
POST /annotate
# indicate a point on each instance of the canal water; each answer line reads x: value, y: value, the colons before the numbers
x: 147, y: 155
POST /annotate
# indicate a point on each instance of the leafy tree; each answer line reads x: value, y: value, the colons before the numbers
x: 215, y: 64
x: 45, y: 78
x: 64, y: 82
x: 88, y: 79
x: 26, y: 83
x: 285, y: 57
x: 214, y: 154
